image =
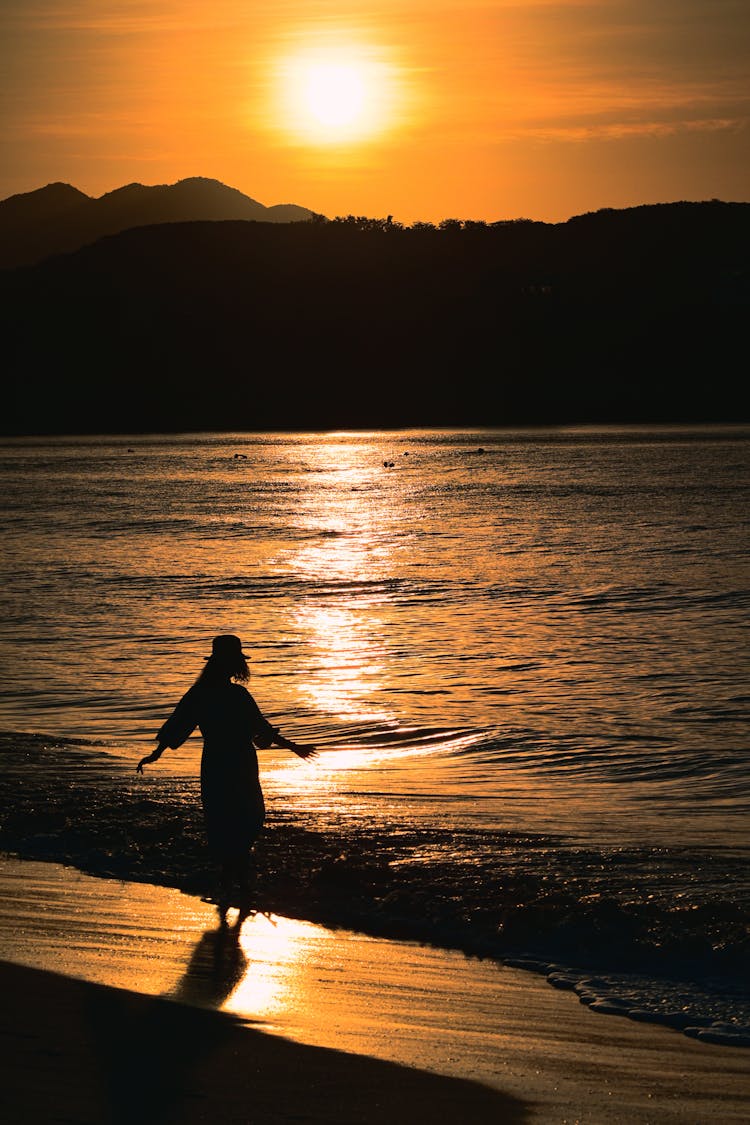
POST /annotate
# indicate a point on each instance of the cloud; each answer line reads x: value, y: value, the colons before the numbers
x: 623, y: 130
x: 583, y: 68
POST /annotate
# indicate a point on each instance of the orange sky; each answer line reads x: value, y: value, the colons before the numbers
x: 491, y: 109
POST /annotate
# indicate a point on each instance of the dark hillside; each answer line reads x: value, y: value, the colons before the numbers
x: 611, y: 317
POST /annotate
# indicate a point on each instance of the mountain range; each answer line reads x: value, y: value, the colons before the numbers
x: 59, y: 218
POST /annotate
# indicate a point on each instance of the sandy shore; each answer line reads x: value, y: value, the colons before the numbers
x: 79, y: 1052
x: 347, y: 1028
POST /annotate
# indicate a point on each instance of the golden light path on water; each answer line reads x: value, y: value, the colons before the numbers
x: 347, y: 675
x: 348, y: 638
x: 346, y: 664
x: 361, y: 520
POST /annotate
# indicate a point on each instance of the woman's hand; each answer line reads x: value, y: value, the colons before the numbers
x: 154, y: 757
x: 303, y: 751
x: 295, y: 747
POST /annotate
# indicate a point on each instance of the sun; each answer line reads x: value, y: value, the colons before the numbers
x: 336, y: 96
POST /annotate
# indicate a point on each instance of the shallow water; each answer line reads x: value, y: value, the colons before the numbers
x: 534, y: 656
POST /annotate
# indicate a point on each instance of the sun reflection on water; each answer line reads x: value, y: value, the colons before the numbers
x: 342, y: 628
x: 346, y: 672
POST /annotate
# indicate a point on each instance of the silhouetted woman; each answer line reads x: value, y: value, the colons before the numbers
x: 232, y: 726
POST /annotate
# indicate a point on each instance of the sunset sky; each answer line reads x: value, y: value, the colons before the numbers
x: 423, y: 109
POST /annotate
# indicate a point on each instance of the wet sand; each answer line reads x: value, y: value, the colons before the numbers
x: 279, y: 1020
x: 74, y: 1051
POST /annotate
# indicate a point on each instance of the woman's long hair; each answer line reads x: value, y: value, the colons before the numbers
x: 218, y: 667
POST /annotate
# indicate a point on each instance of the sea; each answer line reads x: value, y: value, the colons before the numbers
x: 522, y: 655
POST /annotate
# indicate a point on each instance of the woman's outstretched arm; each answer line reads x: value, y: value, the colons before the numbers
x: 296, y: 747
x: 178, y: 727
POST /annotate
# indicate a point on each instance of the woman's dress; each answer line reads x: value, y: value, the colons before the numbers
x: 232, y: 726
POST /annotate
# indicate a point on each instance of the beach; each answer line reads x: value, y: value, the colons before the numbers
x: 313, y: 1024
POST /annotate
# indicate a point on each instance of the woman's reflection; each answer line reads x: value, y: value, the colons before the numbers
x: 216, y: 966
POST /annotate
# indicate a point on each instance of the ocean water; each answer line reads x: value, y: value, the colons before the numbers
x: 522, y: 654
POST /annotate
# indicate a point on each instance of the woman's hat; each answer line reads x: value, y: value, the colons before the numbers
x: 227, y: 647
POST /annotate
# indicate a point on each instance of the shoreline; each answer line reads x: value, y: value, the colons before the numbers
x: 583, y: 983
x: 62, y: 803
x: 345, y: 1015
x: 301, y: 989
